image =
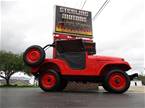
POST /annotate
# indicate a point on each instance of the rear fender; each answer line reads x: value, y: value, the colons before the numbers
x: 49, y: 63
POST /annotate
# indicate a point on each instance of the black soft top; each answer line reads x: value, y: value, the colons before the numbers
x: 76, y: 45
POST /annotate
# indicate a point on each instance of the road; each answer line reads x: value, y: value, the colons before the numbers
x: 36, y: 98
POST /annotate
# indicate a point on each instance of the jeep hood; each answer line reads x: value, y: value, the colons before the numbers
x: 106, y: 58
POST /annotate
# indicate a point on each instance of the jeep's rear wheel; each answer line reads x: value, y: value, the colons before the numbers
x: 34, y: 55
x: 49, y: 81
x: 116, y: 81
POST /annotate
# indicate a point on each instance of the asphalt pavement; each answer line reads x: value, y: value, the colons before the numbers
x: 36, y: 98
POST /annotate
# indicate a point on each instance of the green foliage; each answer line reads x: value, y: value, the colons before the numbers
x: 142, y: 78
x: 11, y: 63
x: 18, y: 86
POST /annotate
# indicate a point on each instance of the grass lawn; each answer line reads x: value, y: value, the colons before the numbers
x: 17, y: 86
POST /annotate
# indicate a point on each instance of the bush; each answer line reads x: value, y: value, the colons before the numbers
x: 142, y: 78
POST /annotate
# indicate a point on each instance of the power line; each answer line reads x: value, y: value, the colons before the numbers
x: 80, y: 4
x: 101, y: 9
x: 84, y: 4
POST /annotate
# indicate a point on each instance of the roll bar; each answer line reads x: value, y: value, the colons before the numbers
x: 49, y: 45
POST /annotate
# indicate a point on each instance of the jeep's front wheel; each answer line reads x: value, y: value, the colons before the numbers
x: 49, y: 81
x: 116, y: 81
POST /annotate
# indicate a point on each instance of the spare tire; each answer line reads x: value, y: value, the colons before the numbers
x: 34, y: 55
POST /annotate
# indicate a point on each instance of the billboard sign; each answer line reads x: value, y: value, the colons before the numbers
x: 73, y: 21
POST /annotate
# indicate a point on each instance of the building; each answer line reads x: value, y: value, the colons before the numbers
x: 16, y: 81
x: 136, y: 83
x: 18, y: 78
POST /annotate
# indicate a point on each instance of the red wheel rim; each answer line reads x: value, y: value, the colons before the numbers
x: 117, y: 81
x: 33, y: 55
x: 48, y: 81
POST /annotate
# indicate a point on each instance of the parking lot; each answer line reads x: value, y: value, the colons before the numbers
x: 36, y: 98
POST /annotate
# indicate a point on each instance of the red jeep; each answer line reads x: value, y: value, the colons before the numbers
x: 74, y: 61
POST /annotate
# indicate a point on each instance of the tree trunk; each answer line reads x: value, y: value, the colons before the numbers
x: 7, y: 81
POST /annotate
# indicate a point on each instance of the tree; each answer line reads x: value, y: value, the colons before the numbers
x: 11, y: 63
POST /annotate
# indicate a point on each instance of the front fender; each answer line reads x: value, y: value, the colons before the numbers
x: 111, y: 65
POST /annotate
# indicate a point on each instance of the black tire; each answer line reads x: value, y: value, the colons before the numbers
x: 46, y: 86
x: 63, y: 85
x: 108, y: 83
x: 39, y: 51
x: 105, y: 87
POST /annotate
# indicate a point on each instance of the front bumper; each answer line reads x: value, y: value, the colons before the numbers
x: 135, y: 75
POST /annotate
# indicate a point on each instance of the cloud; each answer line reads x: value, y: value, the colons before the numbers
x: 24, y: 25
x: 11, y: 41
x: 119, y: 31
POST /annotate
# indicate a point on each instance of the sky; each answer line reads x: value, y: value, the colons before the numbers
x: 118, y: 31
